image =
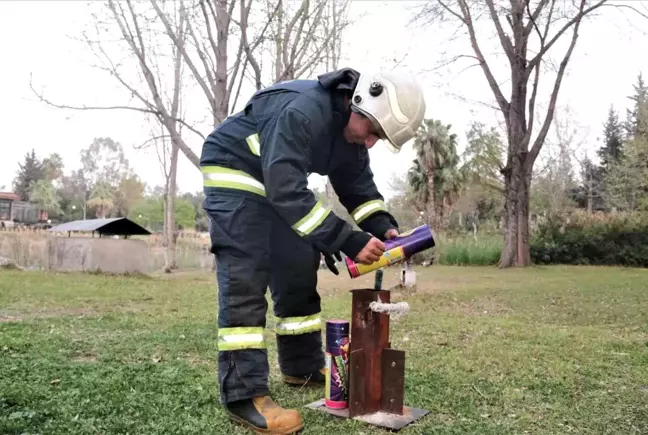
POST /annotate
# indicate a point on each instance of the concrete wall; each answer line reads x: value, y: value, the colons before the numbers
x: 98, y: 254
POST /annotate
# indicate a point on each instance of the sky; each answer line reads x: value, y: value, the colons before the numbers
x: 37, y: 45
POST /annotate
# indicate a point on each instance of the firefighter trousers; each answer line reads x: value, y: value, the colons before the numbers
x: 255, y: 250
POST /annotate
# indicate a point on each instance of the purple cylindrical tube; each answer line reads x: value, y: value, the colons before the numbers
x: 337, y: 360
x: 397, y: 249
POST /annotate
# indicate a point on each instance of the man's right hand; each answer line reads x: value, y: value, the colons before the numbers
x: 371, y: 252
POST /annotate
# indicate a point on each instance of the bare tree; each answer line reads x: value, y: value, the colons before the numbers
x: 200, y: 34
x: 139, y: 64
x: 204, y: 44
x: 549, y: 21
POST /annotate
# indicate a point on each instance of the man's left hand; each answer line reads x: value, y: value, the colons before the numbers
x: 390, y: 234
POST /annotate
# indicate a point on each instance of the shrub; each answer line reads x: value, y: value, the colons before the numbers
x: 462, y: 250
x: 600, y: 239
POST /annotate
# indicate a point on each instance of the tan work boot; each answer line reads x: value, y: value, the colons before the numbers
x: 316, y: 378
x: 264, y: 416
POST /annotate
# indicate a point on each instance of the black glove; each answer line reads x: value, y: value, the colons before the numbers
x: 330, y: 263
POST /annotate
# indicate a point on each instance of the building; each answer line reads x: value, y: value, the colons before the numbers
x: 13, y: 211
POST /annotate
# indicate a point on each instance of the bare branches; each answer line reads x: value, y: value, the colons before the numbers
x: 576, y: 19
x: 467, y: 20
x: 554, y: 93
x: 536, y: 79
x: 507, y: 45
x: 309, y: 38
x: 245, y: 12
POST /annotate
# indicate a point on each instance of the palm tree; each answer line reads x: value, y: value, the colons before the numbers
x: 102, y: 197
x: 435, y: 177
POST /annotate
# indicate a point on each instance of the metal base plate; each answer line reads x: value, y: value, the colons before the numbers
x: 394, y: 422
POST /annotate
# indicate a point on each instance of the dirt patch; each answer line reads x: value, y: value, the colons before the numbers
x: 45, y: 314
x: 195, y: 361
x: 486, y: 306
x: 85, y: 357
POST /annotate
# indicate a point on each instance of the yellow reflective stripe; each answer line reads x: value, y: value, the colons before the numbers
x: 242, y: 337
x: 254, y: 144
x: 298, y: 325
x: 312, y: 220
x: 367, y: 209
x: 216, y: 176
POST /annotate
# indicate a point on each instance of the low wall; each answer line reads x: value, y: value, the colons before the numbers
x: 98, y: 254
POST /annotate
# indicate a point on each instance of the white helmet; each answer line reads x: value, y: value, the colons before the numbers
x: 392, y: 101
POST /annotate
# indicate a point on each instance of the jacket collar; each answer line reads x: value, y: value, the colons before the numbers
x: 340, y: 84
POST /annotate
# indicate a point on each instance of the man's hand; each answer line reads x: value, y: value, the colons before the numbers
x: 390, y: 234
x: 371, y: 252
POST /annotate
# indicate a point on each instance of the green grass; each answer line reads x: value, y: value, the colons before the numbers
x: 544, y: 350
x: 469, y: 251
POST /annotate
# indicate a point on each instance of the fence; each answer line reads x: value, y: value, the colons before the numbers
x: 30, y: 248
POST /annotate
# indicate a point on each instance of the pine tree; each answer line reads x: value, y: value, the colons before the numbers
x: 612, y: 148
x: 636, y: 124
x: 30, y: 171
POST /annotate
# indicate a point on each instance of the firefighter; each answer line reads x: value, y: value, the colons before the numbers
x: 268, y: 230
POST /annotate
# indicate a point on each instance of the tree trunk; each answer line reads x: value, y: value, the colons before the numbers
x: 169, y: 214
x: 590, y: 194
x: 516, y: 250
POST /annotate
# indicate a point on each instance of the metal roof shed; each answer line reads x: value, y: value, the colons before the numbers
x: 120, y: 226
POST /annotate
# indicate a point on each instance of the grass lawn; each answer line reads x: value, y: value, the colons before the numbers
x: 544, y: 350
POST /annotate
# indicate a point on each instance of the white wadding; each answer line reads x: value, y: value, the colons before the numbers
x: 395, y: 310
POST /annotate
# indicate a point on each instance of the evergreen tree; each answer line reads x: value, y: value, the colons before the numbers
x: 612, y: 148
x: 637, y: 119
x: 588, y: 194
x: 30, y: 171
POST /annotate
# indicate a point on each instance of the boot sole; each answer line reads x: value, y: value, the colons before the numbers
x: 262, y: 431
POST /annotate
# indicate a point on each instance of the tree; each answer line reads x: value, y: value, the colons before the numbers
x: 31, y: 170
x: 104, y: 161
x: 44, y: 194
x: 434, y: 176
x: 636, y: 124
x: 589, y: 193
x: 53, y: 167
x: 129, y: 191
x: 400, y: 205
x: 526, y: 20
x: 203, y: 32
x: 555, y: 181
x: 626, y: 181
x: 483, y: 157
x: 102, y: 197
x: 200, y: 34
x: 75, y: 193
x: 611, y: 151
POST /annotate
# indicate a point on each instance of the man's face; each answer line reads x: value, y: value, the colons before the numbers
x: 360, y: 130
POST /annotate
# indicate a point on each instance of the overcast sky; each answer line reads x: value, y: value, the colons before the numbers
x: 35, y: 36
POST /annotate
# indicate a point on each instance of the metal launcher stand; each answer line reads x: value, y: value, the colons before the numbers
x: 376, y: 371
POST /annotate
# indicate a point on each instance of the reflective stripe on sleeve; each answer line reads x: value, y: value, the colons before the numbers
x: 241, y: 338
x: 367, y: 209
x: 216, y: 176
x: 312, y: 220
x: 254, y: 144
x: 298, y: 325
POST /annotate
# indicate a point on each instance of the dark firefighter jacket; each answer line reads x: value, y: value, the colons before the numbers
x: 286, y: 132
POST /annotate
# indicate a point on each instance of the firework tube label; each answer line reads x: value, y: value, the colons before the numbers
x: 389, y: 257
x: 337, y: 360
x: 399, y: 248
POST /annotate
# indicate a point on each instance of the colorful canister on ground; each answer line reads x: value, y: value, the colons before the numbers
x: 337, y: 360
x: 399, y: 248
